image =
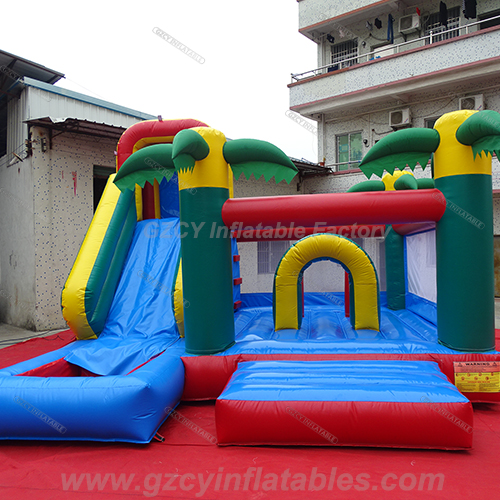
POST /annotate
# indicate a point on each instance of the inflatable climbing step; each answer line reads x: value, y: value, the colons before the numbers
x: 404, y: 404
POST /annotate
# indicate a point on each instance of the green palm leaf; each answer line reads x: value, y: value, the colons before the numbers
x: 365, y: 186
x: 405, y: 182
x: 188, y: 148
x: 425, y: 183
x: 482, y: 132
x: 399, y: 149
x: 146, y: 165
x: 260, y: 158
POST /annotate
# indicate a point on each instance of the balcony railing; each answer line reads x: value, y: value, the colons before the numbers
x: 400, y: 47
x: 336, y: 167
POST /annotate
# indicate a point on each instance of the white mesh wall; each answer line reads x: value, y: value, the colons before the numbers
x: 421, y: 264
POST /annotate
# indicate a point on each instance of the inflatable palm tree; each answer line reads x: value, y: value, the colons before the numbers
x: 205, y: 163
x: 462, y: 143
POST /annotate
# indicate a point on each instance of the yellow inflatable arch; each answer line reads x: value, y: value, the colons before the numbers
x: 287, y: 296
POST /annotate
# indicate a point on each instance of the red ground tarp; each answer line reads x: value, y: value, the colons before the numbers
x: 189, y: 465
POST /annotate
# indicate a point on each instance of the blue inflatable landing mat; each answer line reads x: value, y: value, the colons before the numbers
x: 407, y: 404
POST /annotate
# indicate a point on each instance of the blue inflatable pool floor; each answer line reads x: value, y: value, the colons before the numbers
x: 328, y: 324
x: 325, y: 329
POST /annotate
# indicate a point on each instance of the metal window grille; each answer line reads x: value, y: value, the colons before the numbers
x: 433, y: 24
x: 269, y: 254
x: 342, y: 51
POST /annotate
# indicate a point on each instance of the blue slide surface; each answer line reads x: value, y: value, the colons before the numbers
x: 141, y: 322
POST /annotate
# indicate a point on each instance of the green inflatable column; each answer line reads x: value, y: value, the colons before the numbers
x: 464, y: 240
x: 395, y: 269
x: 206, y: 271
x: 465, y: 275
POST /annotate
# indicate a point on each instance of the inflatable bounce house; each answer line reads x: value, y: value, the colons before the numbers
x: 154, y: 299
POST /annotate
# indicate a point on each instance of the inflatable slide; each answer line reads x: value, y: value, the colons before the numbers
x: 133, y: 371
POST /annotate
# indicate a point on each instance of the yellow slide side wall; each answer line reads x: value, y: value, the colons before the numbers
x: 90, y: 286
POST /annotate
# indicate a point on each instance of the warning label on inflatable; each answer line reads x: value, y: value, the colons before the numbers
x: 477, y: 376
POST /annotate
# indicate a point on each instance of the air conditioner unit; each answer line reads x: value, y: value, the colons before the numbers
x: 400, y: 118
x: 409, y: 24
x: 472, y: 102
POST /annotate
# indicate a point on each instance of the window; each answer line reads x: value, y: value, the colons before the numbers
x: 433, y: 24
x: 429, y: 122
x: 343, y: 51
x: 269, y: 254
x: 349, y: 150
x: 488, y: 24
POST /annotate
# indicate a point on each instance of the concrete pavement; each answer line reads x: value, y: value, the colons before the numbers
x: 10, y: 335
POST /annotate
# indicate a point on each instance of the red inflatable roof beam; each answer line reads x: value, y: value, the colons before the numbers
x: 313, y: 210
x: 407, y: 229
x: 298, y: 232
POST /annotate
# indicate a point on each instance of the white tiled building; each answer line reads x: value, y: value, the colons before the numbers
x: 56, y: 148
x: 367, y: 84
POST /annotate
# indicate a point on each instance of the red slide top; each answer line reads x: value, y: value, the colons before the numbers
x: 151, y: 132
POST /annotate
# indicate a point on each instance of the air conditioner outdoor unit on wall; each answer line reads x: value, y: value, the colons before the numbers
x: 400, y: 118
x: 472, y: 102
x: 409, y: 24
